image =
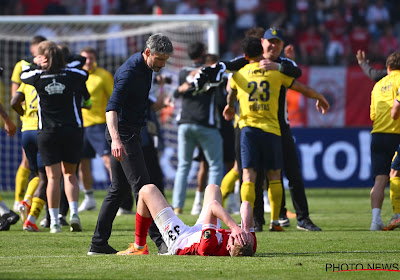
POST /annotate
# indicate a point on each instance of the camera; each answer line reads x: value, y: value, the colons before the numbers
x: 163, y: 78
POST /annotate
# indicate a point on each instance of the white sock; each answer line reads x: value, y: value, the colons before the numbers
x: 54, y: 216
x: 376, y: 215
x: 89, y: 194
x: 3, y: 208
x: 73, y: 208
x: 198, y: 197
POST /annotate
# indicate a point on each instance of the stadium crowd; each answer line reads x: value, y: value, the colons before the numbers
x: 327, y: 32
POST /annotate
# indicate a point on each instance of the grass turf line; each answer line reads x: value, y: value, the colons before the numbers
x: 343, y: 214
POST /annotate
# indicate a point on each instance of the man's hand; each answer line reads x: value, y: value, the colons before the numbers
x: 322, y: 104
x: 228, y: 113
x: 241, y: 236
x: 118, y: 150
x: 10, y: 127
x: 289, y: 52
x: 361, y: 57
x: 267, y: 64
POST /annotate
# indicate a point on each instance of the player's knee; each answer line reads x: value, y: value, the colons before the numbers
x: 213, y: 188
x: 147, y: 189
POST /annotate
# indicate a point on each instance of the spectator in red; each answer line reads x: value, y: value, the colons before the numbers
x: 271, y: 13
x: 216, y: 7
x: 32, y: 7
x: 335, y: 29
x: 388, y: 42
x: 311, y: 46
x: 359, y: 39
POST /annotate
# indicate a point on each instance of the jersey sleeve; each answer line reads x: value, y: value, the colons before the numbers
x: 108, y: 83
x: 16, y: 74
x: 290, y: 68
x: 287, y: 81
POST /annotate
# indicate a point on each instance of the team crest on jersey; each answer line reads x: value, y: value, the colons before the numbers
x: 207, y: 234
x: 55, y: 88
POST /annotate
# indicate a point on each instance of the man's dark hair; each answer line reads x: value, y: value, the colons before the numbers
x: 64, y: 49
x: 211, y: 59
x: 89, y: 50
x: 393, y: 61
x: 252, y: 47
x: 196, y: 50
x: 257, y: 32
x: 37, y: 39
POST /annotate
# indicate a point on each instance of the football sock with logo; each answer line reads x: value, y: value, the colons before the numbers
x: 21, y: 181
x: 275, y: 198
x: 395, y: 194
x: 37, y: 207
x: 228, y: 184
x: 32, y: 186
x: 142, y: 227
x: 248, y: 193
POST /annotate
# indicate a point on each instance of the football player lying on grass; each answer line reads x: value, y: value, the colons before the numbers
x: 205, y: 238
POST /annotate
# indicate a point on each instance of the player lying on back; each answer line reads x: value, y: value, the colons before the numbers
x: 205, y: 238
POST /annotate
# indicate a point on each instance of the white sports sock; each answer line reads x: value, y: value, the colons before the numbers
x: 3, y: 208
x: 73, y: 207
x: 198, y: 197
x: 376, y: 215
x: 89, y: 194
x: 54, y: 216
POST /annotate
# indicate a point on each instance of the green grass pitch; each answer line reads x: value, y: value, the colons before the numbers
x: 343, y: 214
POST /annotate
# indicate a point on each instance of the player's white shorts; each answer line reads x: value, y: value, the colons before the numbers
x: 175, y: 233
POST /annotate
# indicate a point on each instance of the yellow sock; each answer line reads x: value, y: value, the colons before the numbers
x: 37, y: 207
x: 21, y: 181
x: 395, y: 194
x: 30, y: 190
x: 275, y: 198
x: 248, y: 193
x: 228, y: 184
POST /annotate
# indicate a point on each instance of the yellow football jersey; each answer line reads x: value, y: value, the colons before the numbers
x: 100, y: 86
x: 30, y: 117
x: 382, y: 97
x: 258, y: 95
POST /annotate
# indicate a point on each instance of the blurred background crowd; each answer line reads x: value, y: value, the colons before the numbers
x: 325, y: 32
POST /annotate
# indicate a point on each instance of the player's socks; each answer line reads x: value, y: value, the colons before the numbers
x: 21, y: 181
x: 198, y: 198
x: 142, y: 227
x: 54, y: 216
x: 275, y: 198
x: 30, y: 190
x: 73, y: 207
x: 395, y: 194
x: 36, y: 208
x: 376, y: 216
x: 248, y: 193
x: 228, y: 184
